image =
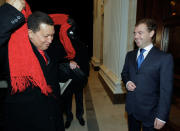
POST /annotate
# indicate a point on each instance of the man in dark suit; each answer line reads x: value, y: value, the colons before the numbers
x: 79, y: 67
x: 148, y: 77
x: 33, y: 99
x: 75, y: 64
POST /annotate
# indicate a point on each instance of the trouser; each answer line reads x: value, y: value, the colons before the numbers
x: 135, y: 125
x: 77, y: 90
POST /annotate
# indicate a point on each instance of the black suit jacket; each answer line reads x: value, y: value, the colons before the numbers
x: 30, y: 110
x: 154, y: 84
x: 10, y: 20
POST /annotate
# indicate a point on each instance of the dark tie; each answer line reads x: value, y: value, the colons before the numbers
x: 140, y: 58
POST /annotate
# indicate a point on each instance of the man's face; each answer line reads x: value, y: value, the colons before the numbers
x: 142, y: 36
x: 42, y: 38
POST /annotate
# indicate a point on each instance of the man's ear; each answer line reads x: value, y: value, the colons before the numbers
x: 30, y: 33
x: 152, y: 33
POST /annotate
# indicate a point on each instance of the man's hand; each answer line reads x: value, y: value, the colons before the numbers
x: 18, y: 4
x: 73, y: 65
x: 158, y: 124
x: 130, y: 86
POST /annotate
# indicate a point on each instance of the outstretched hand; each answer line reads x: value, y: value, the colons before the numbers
x: 18, y: 4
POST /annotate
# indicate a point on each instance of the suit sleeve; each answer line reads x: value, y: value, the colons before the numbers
x: 11, y: 18
x: 125, y: 71
x: 166, y: 87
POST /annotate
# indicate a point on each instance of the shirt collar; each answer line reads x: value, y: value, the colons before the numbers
x: 148, y: 48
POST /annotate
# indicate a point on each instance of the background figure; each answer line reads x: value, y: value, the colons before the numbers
x: 75, y: 64
x: 33, y: 98
x: 79, y: 76
x: 148, y: 76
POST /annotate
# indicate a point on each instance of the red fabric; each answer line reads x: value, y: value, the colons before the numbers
x: 43, y: 55
x: 24, y: 66
x: 27, y: 11
x: 66, y: 41
x: 61, y: 19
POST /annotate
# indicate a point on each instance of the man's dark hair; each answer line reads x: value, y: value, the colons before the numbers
x: 37, y: 18
x: 151, y: 25
x: 71, y: 21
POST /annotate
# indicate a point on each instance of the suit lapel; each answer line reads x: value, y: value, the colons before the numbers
x: 134, y: 57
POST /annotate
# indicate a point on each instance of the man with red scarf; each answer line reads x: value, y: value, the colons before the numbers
x: 33, y: 98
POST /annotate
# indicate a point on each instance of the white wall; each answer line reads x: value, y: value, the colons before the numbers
x: 96, y: 33
x: 119, y: 21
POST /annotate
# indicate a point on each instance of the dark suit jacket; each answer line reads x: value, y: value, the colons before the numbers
x: 154, y: 84
x: 10, y: 20
x: 30, y: 110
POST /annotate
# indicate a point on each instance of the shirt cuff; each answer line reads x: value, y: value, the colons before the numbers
x: 127, y: 83
x: 161, y: 120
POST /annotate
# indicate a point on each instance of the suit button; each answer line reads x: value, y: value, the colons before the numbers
x: 18, y: 17
x: 12, y: 22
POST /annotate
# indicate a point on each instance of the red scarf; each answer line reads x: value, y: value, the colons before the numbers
x: 24, y: 66
x: 61, y: 19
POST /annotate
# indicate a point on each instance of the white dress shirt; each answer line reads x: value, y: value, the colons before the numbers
x: 147, y: 48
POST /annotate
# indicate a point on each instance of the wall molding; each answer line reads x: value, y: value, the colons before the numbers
x: 112, y: 85
x: 95, y: 63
